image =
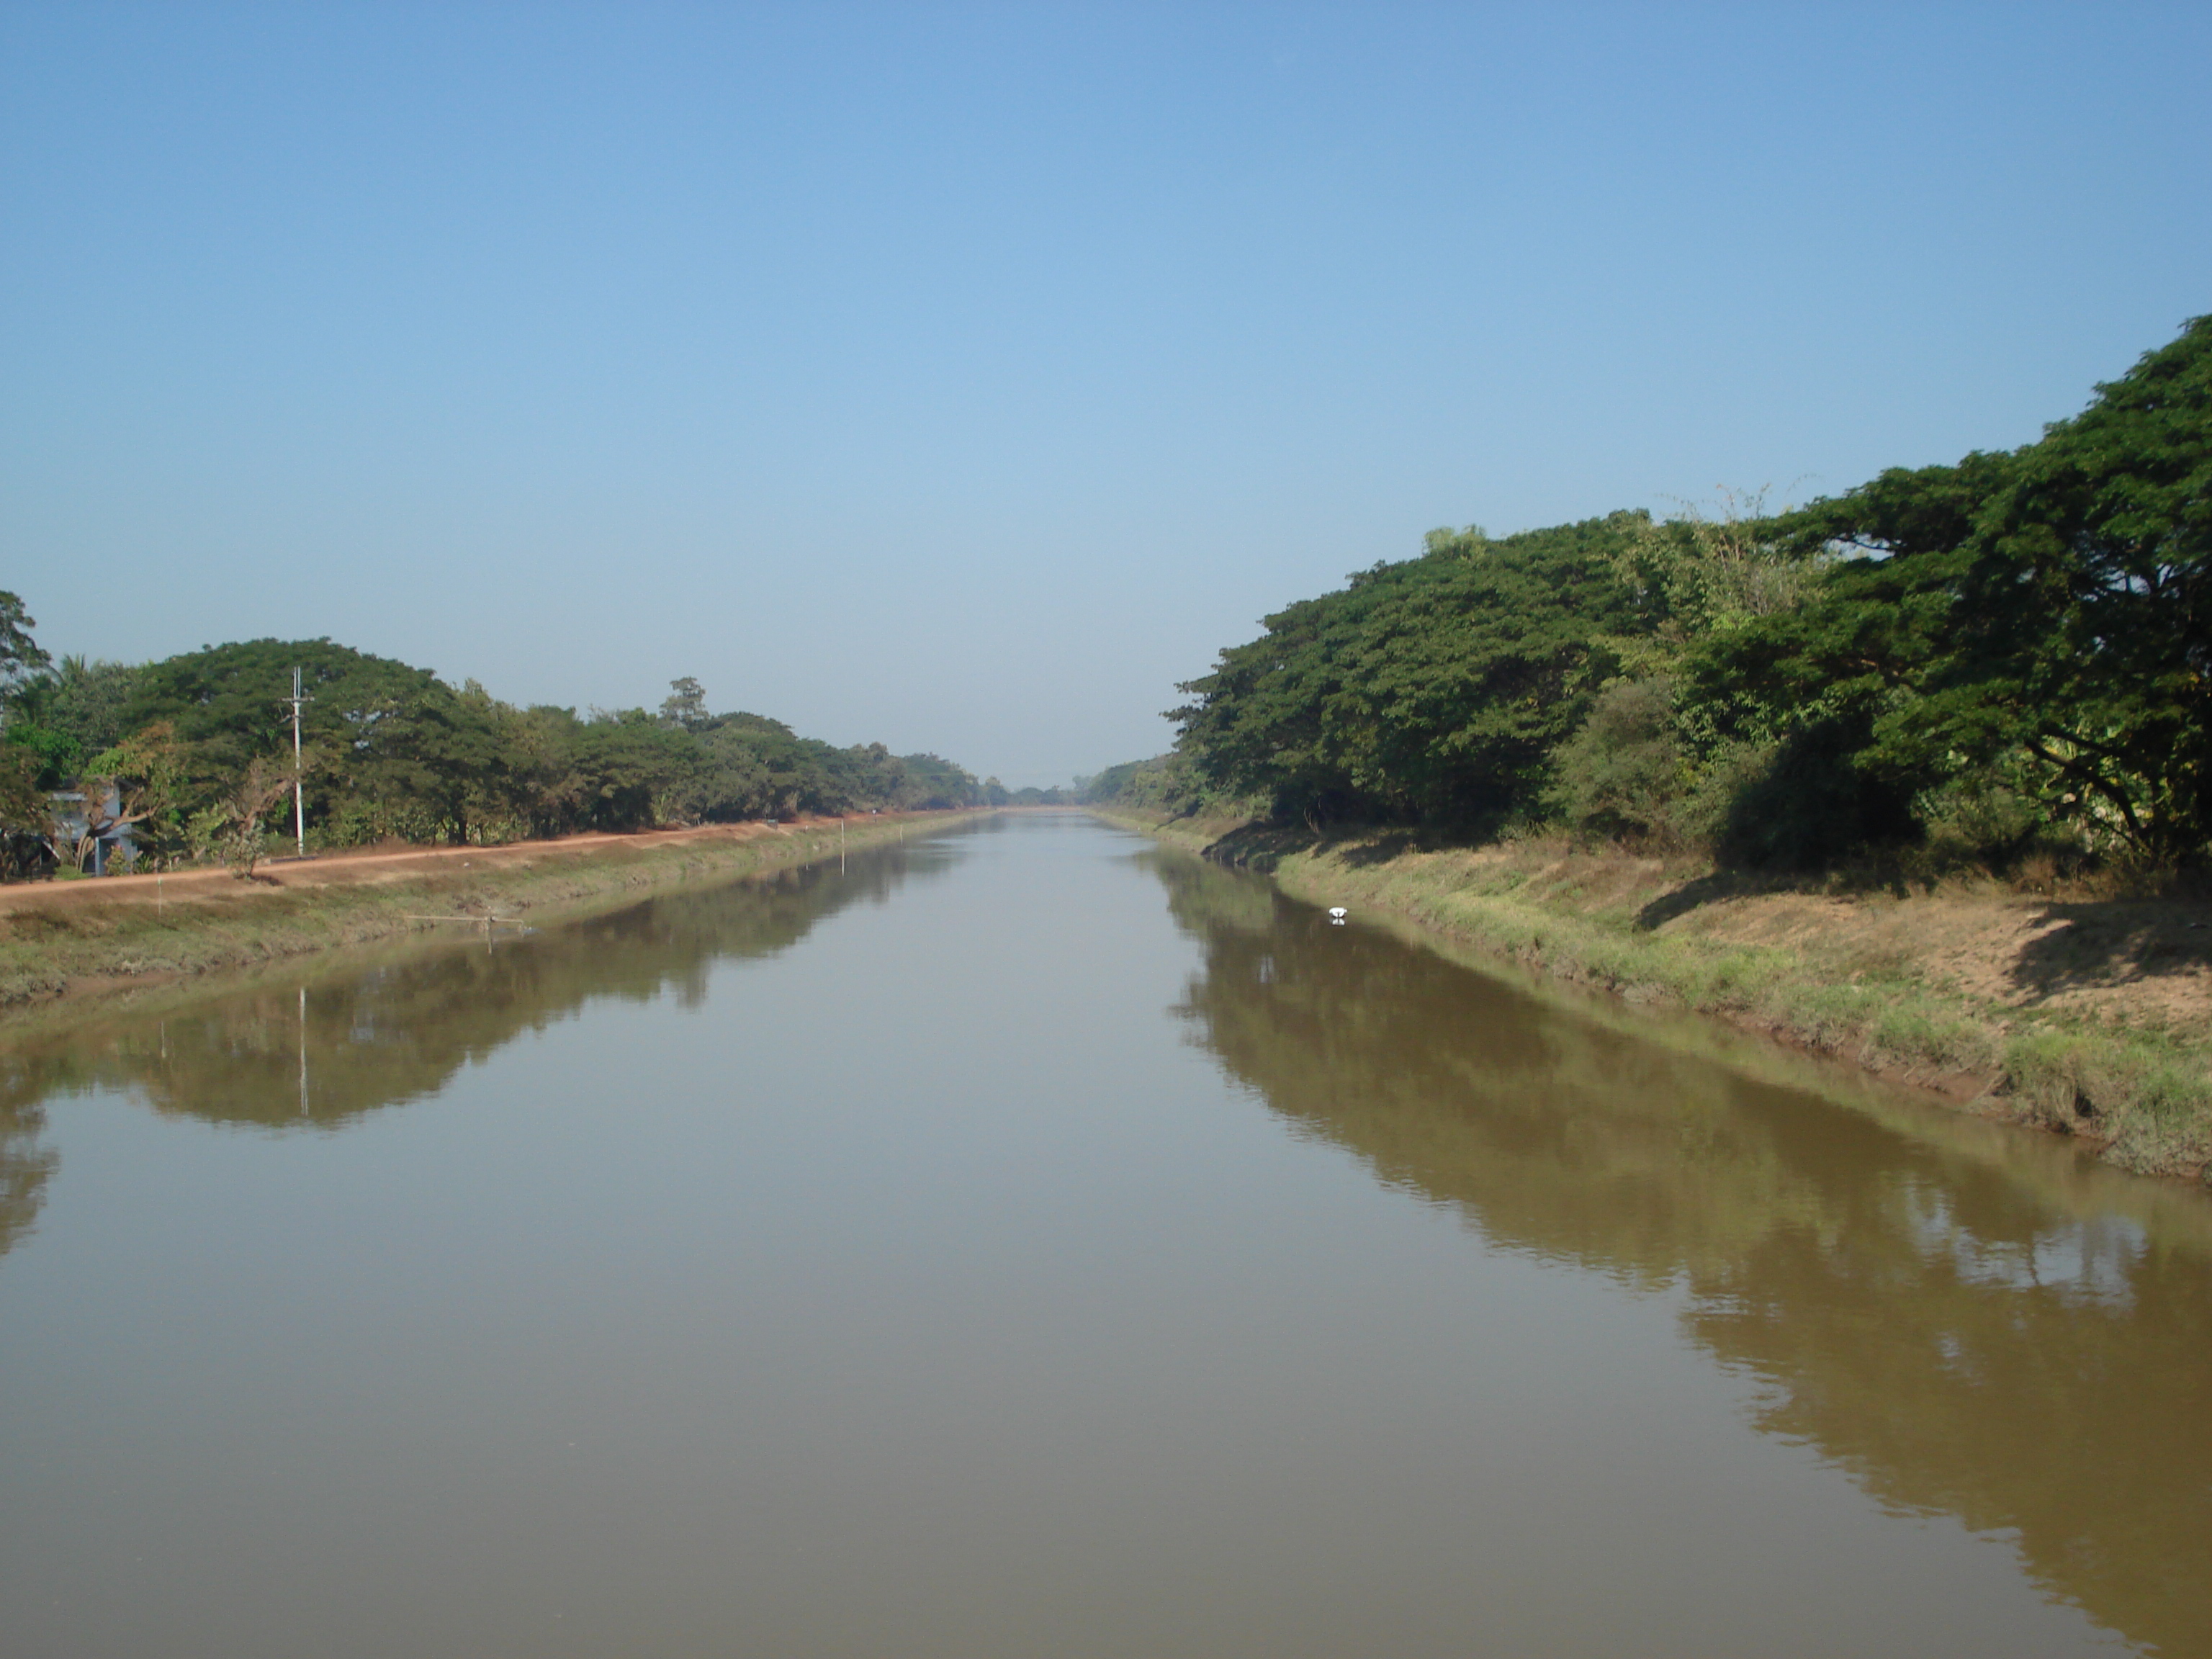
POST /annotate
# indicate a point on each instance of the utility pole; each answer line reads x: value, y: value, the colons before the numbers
x: 298, y: 699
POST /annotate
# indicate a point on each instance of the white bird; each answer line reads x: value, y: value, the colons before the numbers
x: 1336, y: 913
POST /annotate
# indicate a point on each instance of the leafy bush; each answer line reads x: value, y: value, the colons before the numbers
x: 1624, y: 771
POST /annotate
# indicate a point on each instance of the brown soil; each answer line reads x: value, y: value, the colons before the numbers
x: 2132, y: 960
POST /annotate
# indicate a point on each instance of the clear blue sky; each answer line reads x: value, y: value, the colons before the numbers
x: 964, y: 377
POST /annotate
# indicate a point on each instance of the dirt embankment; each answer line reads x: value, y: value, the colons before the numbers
x: 351, y: 867
x: 68, y: 937
x: 2089, y: 1015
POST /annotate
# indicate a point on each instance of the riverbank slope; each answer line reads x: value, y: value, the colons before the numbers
x: 68, y: 937
x: 2089, y: 1015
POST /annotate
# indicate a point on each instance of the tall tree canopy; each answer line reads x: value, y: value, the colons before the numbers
x: 1436, y: 687
x: 2040, y: 616
x: 19, y: 654
x: 2018, y: 645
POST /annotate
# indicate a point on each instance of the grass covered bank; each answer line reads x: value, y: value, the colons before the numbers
x: 2087, y: 1015
x: 64, y: 938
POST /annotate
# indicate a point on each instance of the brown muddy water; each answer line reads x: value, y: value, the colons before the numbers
x: 1028, y: 1242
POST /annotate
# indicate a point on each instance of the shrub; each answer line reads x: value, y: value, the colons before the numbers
x: 1623, y: 771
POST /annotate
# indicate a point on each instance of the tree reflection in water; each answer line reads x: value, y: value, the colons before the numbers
x: 352, y: 1041
x: 1960, y: 1338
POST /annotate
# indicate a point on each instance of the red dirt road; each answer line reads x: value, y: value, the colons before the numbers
x: 371, y: 865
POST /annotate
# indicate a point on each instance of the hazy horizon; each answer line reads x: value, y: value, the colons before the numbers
x: 964, y: 377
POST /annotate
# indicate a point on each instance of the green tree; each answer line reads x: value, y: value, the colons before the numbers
x: 41, y: 752
x: 636, y: 770
x: 2084, y: 627
x: 402, y: 753
x: 733, y: 781
x: 1437, y: 688
x: 20, y: 655
x: 685, y: 705
x: 127, y: 786
x: 28, y: 832
x: 1624, y: 771
x: 930, y: 783
x: 239, y: 813
x: 2044, y: 617
x: 88, y: 700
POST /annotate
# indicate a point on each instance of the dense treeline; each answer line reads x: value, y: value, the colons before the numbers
x: 2005, y: 653
x: 1163, y: 783
x: 193, y: 757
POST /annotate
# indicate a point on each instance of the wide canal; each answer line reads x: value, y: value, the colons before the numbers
x: 1028, y: 1242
